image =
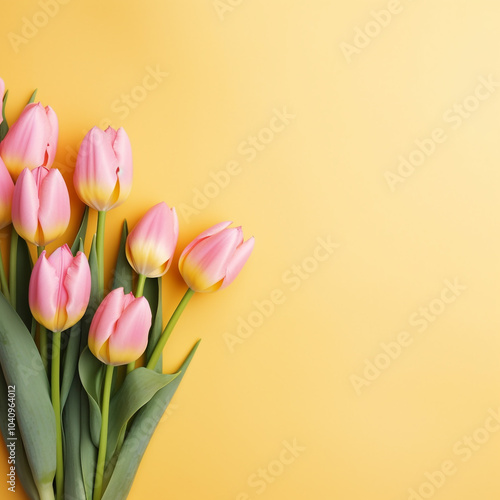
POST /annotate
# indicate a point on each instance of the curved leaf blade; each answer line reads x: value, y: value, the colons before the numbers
x: 82, y: 232
x: 23, y: 368
x: 4, y: 126
x: 138, y: 388
x: 123, y: 275
x: 91, y: 376
x: 153, y: 292
x: 140, y: 433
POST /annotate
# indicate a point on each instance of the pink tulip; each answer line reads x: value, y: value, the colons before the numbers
x: 214, y: 258
x: 40, y: 205
x: 59, y: 289
x: 6, y: 191
x: 32, y: 141
x: 103, y: 172
x: 151, y: 244
x: 118, y: 333
x: 2, y: 92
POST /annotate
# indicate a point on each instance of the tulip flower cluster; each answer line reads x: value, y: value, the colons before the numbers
x: 54, y: 308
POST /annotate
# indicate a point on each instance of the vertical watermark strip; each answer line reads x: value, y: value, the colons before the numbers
x: 11, y: 437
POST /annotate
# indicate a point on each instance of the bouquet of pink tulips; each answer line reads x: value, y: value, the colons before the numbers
x: 77, y: 407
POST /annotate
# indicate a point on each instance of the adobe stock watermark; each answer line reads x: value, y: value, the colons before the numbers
x: 292, y: 279
x: 265, y: 476
x: 248, y: 150
x: 223, y: 7
x: 419, y: 321
x: 364, y: 35
x: 462, y: 451
x: 453, y: 118
x: 31, y: 25
x: 122, y: 107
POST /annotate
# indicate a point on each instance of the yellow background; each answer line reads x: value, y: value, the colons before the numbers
x: 356, y: 110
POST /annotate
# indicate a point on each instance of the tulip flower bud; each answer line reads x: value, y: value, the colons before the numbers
x: 59, y: 289
x: 214, y: 258
x: 31, y: 142
x: 119, y: 331
x: 6, y: 191
x: 151, y: 244
x: 103, y: 171
x: 40, y: 205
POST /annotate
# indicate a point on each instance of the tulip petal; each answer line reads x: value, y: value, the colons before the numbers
x: 151, y: 243
x: 207, y: 262
x: 131, y: 336
x: 123, y: 152
x: 77, y: 286
x: 25, y: 206
x: 104, y: 323
x: 54, y: 211
x: 43, y: 292
x: 53, y: 136
x: 25, y: 144
x: 95, y: 175
x: 6, y: 191
x: 208, y: 232
x: 238, y: 260
x: 61, y: 259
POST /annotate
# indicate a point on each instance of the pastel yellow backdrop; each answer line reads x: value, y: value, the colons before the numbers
x: 360, y: 147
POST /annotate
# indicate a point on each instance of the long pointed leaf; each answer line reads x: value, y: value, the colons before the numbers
x: 82, y: 232
x: 153, y: 292
x: 91, y: 376
x: 4, y: 126
x: 123, y: 272
x: 73, y: 478
x: 70, y: 361
x: 88, y: 451
x: 140, y: 433
x: 23, y: 368
x: 33, y: 97
x: 137, y: 390
x: 23, y: 273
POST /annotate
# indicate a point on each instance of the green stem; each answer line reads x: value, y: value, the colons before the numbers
x: 141, y: 281
x: 43, y: 347
x: 101, y: 223
x: 139, y: 291
x: 103, y: 440
x: 3, y: 279
x: 13, y: 267
x: 155, y: 356
x: 56, y: 403
x: 43, y: 330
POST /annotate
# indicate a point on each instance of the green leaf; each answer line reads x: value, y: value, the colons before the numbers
x: 94, y: 297
x: 82, y: 232
x: 88, y: 452
x: 139, y: 387
x: 140, y: 433
x: 23, y: 368
x: 91, y: 376
x: 4, y: 126
x: 33, y: 97
x: 70, y: 360
x: 153, y: 292
x: 73, y: 479
x: 23, y: 273
x: 23, y: 470
x: 123, y: 272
